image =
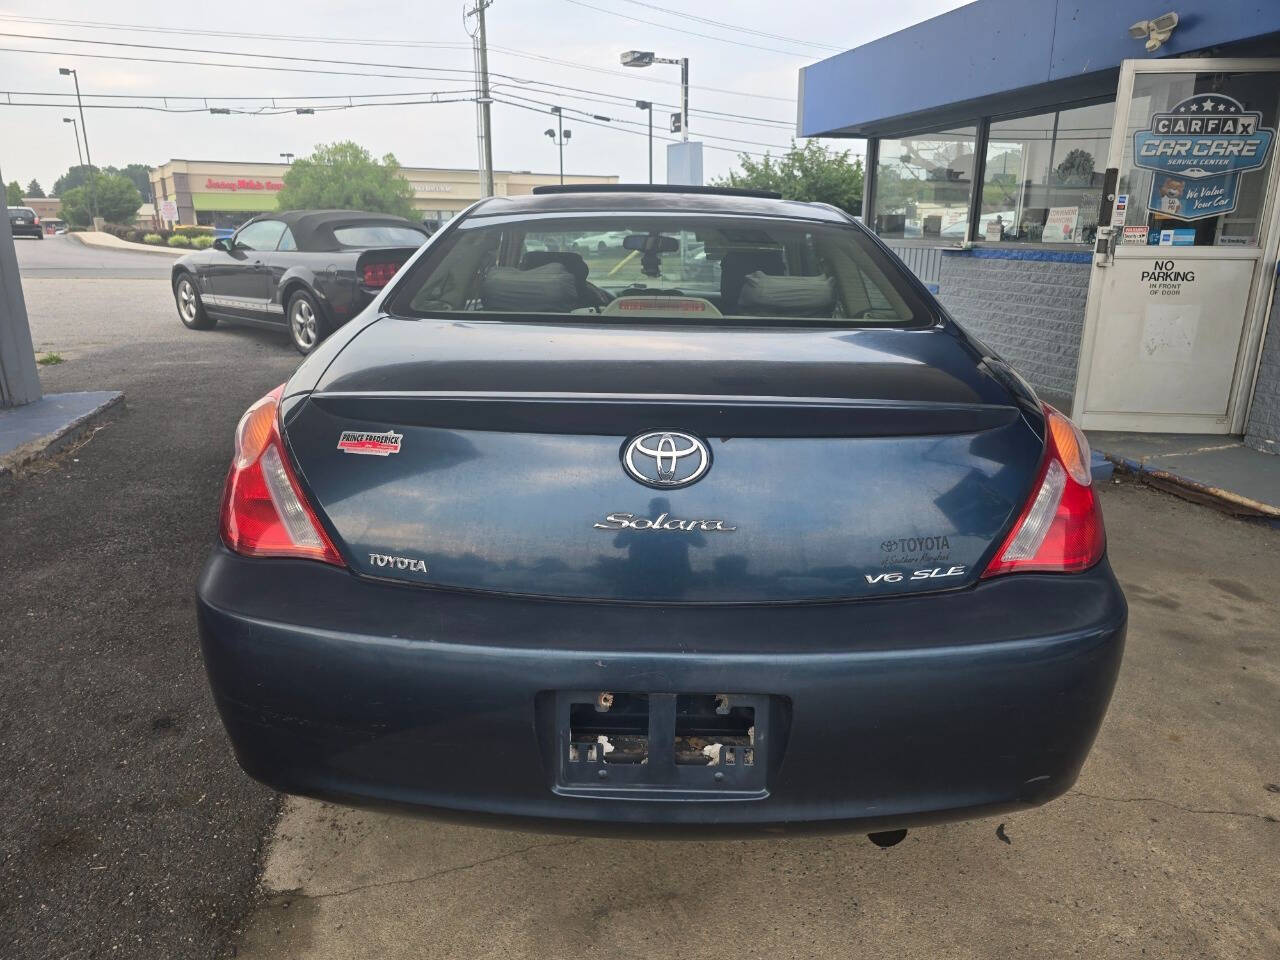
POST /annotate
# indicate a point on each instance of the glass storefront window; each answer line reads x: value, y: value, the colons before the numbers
x: 1207, y: 141
x: 923, y: 185
x: 1042, y: 181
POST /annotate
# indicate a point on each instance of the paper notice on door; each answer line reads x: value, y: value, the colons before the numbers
x: 1169, y: 332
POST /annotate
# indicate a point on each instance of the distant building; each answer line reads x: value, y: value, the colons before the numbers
x: 224, y: 194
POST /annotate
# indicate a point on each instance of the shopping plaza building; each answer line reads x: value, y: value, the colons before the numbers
x: 1092, y: 188
x: 225, y: 194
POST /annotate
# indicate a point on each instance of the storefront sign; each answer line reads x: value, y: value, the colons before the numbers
x: 243, y: 183
x: 433, y: 188
x: 1197, y: 151
x: 1134, y: 235
x: 1060, y: 224
x: 169, y: 210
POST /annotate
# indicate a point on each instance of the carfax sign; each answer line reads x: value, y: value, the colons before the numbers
x: 1197, y: 151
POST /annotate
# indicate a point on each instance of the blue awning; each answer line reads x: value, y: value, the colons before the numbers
x: 1004, y: 56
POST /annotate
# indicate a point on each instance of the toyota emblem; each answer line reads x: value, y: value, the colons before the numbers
x: 666, y: 459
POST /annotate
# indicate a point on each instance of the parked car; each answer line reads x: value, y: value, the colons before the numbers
x: 308, y: 271
x: 24, y: 223
x: 777, y: 546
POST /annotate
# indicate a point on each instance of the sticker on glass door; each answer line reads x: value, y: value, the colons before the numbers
x: 1197, y: 150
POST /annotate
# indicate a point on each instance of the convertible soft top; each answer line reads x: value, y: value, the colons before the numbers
x: 313, y: 229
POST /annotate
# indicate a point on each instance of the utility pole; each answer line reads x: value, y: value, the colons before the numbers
x: 93, y: 198
x: 648, y: 105
x: 483, y: 100
x: 684, y: 99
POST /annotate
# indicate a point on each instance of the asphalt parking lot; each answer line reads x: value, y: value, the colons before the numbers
x: 127, y: 830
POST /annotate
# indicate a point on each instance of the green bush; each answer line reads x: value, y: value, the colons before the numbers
x: 154, y: 239
x: 189, y: 230
x: 202, y: 243
x: 179, y: 241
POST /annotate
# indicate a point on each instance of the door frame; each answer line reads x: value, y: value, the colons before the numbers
x: 1248, y: 352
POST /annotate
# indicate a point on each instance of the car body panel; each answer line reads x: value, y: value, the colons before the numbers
x: 902, y: 711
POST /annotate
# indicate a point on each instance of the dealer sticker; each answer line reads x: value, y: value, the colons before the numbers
x: 373, y: 444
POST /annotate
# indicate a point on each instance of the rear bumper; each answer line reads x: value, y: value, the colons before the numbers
x: 27, y: 229
x: 897, y: 713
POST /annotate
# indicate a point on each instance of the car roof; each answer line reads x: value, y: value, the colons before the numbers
x: 640, y: 200
x: 313, y: 229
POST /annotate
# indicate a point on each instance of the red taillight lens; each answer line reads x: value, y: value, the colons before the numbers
x: 378, y: 275
x: 1060, y: 529
x: 264, y: 513
x: 35, y: 221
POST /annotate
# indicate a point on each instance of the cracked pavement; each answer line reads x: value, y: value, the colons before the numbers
x: 1166, y: 848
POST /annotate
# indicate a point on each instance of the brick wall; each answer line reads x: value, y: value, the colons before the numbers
x: 1262, y: 432
x: 1026, y: 305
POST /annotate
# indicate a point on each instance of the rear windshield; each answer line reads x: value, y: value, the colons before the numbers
x: 378, y: 235
x: 702, y: 269
x: 22, y: 211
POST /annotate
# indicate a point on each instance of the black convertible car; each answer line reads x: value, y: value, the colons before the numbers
x: 725, y: 526
x: 309, y: 270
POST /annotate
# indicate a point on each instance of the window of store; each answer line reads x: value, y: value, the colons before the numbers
x: 1042, y: 179
x: 923, y: 184
x: 1182, y: 198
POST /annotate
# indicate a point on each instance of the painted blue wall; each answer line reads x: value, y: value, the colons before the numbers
x: 997, y: 46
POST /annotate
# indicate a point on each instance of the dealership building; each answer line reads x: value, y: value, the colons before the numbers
x: 225, y: 194
x: 1091, y: 187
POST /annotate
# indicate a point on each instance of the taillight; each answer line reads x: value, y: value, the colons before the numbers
x: 378, y: 275
x: 35, y: 221
x: 264, y: 513
x: 1060, y: 529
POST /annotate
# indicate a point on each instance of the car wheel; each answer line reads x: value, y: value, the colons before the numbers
x: 307, y: 323
x: 190, y: 309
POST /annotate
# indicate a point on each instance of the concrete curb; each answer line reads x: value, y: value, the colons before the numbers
x: 1196, y: 491
x: 63, y: 436
x: 117, y: 244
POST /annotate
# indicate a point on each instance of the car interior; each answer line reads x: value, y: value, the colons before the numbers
x: 725, y: 271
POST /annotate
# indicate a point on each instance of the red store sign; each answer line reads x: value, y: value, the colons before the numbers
x: 243, y: 183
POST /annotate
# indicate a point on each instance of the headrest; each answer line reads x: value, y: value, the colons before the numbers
x: 572, y: 262
x: 546, y: 289
x: 766, y: 296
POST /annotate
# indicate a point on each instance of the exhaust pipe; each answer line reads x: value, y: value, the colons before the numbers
x: 887, y: 838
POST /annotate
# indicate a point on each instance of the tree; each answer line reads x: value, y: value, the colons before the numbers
x: 345, y: 175
x: 13, y: 192
x: 813, y: 172
x: 140, y: 174
x: 1076, y: 168
x: 76, y: 176
x: 34, y: 189
x: 118, y: 200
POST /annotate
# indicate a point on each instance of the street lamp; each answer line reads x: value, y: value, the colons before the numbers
x: 93, y: 198
x: 560, y: 141
x: 76, y: 129
x: 288, y: 157
x: 648, y: 105
x: 646, y: 58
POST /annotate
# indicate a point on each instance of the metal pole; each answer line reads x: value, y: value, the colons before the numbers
x: 684, y: 99
x: 19, y: 379
x: 75, y: 128
x: 93, y: 198
x: 560, y: 141
x: 486, y: 175
x: 651, y: 143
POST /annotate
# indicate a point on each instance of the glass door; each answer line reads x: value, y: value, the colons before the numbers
x: 1179, y: 288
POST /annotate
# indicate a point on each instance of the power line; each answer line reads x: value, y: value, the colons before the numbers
x: 260, y: 112
x: 615, y: 100
x: 734, y: 27
x: 510, y: 51
x: 689, y: 33
x: 290, y: 59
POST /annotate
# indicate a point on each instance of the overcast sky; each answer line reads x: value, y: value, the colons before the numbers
x: 755, y: 77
